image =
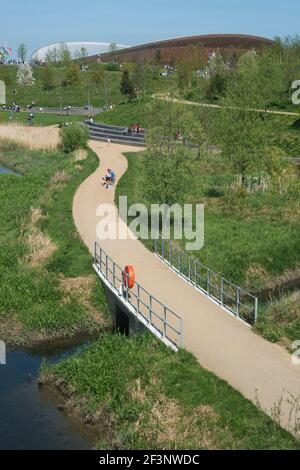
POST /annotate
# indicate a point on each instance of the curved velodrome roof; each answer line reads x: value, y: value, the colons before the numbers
x: 209, y: 41
x: 93, y: 48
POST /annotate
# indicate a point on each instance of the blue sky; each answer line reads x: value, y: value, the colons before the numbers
x: 132, y: 22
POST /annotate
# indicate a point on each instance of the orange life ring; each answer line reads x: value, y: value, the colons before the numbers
x: 129, y: 277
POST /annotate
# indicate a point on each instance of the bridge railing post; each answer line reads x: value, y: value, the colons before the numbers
x: 100, y: 260
x: 150, y: 309
x: 238, y: 301
x: 222, y: 291
x: 126, y: 287
x: 208, y: 282
x: 171, y: 254
x: 106, y: 267
x: 114, y: 274
x: 138, y: 300
x: 165, y: 322
x: 256, y: 310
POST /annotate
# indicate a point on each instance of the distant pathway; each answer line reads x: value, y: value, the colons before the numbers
x: 221, y: 343
x: 217, y: 106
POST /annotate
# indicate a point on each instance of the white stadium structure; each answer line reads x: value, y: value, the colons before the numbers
x: 92, y: 48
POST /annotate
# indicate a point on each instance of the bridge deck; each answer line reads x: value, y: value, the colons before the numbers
x: 221, y: 343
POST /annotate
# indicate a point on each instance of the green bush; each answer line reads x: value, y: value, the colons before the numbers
x: 73, y: 137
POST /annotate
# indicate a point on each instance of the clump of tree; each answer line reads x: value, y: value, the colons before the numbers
x: 186, y: 68
x: 82, y: 53
x: 127, y: 87
x: 141, y: 77
x: 72, y: 74
x: 184, y: 76
x: 52, y: 55
x: 25, y: 76
x: 73, y: 137
x: 113, y: 47
x: 217, y: 76
x: 97, y: 77
x: 64, y: 55
x: 245, y: 135
x: 48, y: 77
x: 168, y: 162
x: 113, y: 67
x: 22, y: 52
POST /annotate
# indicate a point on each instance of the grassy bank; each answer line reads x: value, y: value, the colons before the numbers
x: 78, y: 94
x: 150, y: 397
x: 286, y: 128
x: 40, y: 119
x: 47, y: 288
x: 251, y: 239
x: 126, y: 114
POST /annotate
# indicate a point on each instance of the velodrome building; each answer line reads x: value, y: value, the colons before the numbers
x: 167, y: 51
x: 171, y: 50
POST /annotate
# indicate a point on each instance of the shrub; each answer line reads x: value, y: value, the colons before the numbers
x: 74, y: 137
x: 285, y: 310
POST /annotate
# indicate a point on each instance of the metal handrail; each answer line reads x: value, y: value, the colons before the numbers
x: 233, y: 298
x: 165, y: 323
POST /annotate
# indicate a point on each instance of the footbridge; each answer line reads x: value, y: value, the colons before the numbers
x: 181, y: 309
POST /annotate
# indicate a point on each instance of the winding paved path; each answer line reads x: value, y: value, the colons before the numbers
x: 221, y: 343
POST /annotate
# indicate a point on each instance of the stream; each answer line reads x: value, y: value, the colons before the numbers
x: 30, y: 416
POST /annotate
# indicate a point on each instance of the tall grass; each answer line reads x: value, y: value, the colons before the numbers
x: 31, y: 138
x: 153, y: 398
x: 40, y: 248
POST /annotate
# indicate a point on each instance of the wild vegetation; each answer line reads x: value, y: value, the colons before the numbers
x: 65, y: 83
x: 276, y: 68
x: 47, y: 288
x: 74, y: 137
x: 251, y: 214
x: 31, y: 139
x: 150, y: 397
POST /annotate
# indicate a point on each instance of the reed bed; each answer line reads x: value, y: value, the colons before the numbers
x: 32, y: 138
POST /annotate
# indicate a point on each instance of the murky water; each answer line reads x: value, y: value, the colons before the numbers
x: 6, y: 171
x: 29, y: 415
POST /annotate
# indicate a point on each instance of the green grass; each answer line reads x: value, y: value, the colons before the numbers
x: 258, y: 229
x: 73, y: 95
x: 45, y: 119
x: 32, y: 303
x: 286, y: 137
x: 153, y: 398
x: 251, y: 240
x: 280, y: 320
x: 126, y: 114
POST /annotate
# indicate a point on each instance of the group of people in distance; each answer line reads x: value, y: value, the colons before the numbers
x: 134, y: 129
x: 15, y: 107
